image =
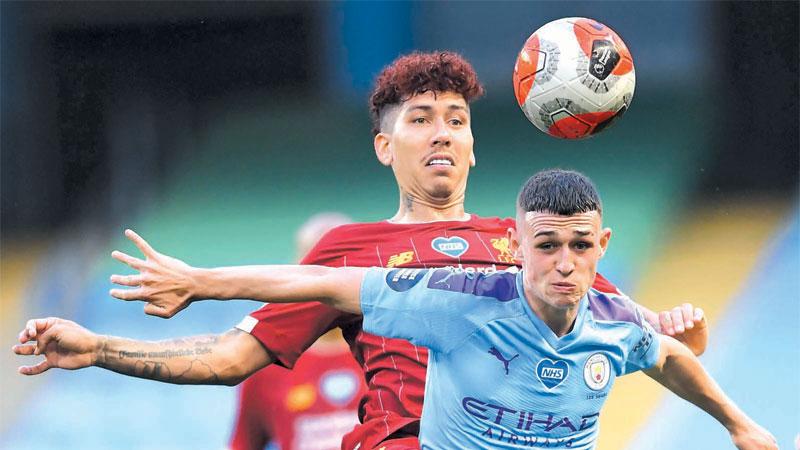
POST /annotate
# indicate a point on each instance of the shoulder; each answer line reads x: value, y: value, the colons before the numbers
x: 612, y: 307
x: 602, y: 284
x: 499, y: 223
x: 501, y: 286
x: 350, y: 239
x: 354, y: 230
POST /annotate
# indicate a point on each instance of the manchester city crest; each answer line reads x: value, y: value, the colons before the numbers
x: 597, y: 371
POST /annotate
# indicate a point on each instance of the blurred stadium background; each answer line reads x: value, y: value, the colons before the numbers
x: 215, y: 129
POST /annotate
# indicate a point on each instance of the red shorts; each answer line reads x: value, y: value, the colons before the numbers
x: 409, y: 443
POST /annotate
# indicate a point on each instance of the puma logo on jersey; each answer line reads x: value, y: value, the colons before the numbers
x: 502, y: 358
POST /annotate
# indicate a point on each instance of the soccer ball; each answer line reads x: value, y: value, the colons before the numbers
x: 574, y: 77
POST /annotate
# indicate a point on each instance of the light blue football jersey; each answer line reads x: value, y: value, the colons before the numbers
x: 498, y: 377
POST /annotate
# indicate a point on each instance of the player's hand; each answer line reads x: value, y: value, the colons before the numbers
x: 64, y: 344
x: 753, y: 437
x: 164, y: 282
x: 688, y: 325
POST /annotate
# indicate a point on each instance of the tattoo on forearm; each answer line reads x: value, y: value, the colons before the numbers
x: 151, y: 364
x: 191, y: 347
x: 160, y: 371
x: 165, y: 354
x: 193, y: 342
x: 101, y: 354
x: 201, y: 366
x: 152, y: 369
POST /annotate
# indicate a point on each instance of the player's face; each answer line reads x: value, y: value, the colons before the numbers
x: 560, y: 255
x: 428, y: 143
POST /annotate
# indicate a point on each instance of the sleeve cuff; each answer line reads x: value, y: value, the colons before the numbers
x: 247, y: 324
x: 370, y: 289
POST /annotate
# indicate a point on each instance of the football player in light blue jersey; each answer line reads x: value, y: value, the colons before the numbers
x: 517, y: 360
x: 526, y: 360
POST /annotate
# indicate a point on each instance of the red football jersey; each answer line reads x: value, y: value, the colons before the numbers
x: 394, y: 368
x: 308, y: 408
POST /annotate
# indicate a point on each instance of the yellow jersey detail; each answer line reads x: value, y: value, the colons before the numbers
x: 505, y: 254
x: 400, y: 259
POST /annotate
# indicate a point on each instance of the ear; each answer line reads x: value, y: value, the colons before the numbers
x: 382, y: 149
x: 513, y: 243
x: 605, y: 236
x: 472, y: 158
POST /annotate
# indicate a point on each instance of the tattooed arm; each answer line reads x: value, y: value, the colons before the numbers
x: 227, y: 359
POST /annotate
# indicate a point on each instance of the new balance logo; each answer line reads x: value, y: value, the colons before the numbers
x: 400, y: 259
x: 502, y: 358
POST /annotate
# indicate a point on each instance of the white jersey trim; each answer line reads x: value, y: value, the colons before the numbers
x: 247, y: 324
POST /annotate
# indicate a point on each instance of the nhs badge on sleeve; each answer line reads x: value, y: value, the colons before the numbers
x: 401, y: 280
x: 453, y: 246
x: 552, y: 373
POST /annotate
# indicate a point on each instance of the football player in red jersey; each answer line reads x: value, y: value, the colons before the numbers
x: 310, y: 406
x: 421, y: 122
x: 316, y: 403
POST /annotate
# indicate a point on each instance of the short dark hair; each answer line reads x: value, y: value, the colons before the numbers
x: 562, y: 192
x: 416, y: 73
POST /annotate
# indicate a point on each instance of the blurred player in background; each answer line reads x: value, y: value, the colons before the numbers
x: 312, y: 406
x: 422, y: 130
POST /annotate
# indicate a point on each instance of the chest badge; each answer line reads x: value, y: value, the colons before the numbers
x: 501, y: 245
x: 453, y: 246
x: 597, y: 371
x: 552, y: 373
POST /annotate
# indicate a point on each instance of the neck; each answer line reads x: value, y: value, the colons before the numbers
x: 560, y: 320
x: 413, y: 209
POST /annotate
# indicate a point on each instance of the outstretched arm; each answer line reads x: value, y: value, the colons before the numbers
x: 680, y: 371
x: 226, y: 359
x: 168, y: 285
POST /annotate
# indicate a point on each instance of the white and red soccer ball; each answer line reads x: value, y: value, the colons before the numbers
x: 574, y: 77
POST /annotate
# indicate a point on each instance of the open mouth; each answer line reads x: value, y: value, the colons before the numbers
x: 440, y: 161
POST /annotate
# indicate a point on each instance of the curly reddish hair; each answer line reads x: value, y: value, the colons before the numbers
x: 416, y: 73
